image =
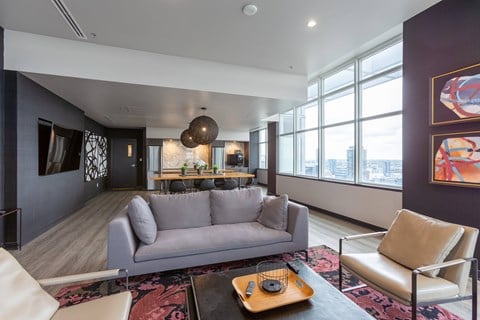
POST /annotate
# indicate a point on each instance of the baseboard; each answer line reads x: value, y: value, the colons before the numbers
x: 341, y: 217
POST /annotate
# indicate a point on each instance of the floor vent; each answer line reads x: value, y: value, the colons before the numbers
x: 62, y: 8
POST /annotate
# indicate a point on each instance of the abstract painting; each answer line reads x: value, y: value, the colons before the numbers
x: 455, y: 96
x: 456, y: 159
x: 95, y: 156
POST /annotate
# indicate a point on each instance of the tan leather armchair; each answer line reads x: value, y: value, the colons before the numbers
x: 420, y: 261
x: 22, y: 297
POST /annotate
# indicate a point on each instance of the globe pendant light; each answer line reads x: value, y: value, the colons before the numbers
x: 187, y: 140
x: 204, y: 130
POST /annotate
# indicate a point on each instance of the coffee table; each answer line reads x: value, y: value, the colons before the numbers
x: 212, y: 296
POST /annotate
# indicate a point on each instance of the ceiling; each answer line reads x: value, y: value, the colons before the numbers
x: 276, y: 38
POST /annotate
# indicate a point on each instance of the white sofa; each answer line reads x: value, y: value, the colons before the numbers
x: 202, y: 228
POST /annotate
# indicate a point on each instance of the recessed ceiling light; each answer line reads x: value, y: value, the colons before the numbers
x: 250, y: 9
x: 311, y: 23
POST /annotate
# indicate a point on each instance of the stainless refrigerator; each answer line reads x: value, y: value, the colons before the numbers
x: 154, y: 166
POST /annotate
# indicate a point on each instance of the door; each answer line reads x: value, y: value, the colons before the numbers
x: 124, y: 163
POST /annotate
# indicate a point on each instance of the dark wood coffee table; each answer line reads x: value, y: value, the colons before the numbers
x: 212, y: 296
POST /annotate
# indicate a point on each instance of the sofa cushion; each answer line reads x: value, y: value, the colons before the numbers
x: 235, y: 206
x: 142, y: 221
x: 183, y: 242
x: 21, y: 297
x: 180, y: 211
x: 414, y: 240
x: 275, y: 212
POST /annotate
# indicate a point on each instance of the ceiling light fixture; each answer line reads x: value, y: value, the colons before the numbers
x: 202, y: 130
x: 250, y: 10
x: 311, y: 23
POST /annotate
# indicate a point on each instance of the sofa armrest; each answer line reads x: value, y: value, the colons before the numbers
x: 122, y: 242
x: 298, y: 224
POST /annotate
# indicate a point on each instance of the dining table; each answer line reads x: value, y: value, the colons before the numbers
x: 166, y: 178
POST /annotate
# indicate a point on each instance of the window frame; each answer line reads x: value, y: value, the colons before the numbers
x: 357, y: 121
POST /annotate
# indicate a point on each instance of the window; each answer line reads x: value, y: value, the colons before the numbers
x: 350, y: 129
x: 262, y: 149
x: 307, y: 139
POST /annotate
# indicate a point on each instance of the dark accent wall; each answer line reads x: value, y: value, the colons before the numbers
x: 2, y: 136
x: 438, y: 40
x: 272, y: 157
x: 97, y: 186
x: 141, y: 136
x: 45, y: 200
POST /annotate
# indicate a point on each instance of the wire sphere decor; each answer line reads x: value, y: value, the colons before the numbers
x: 187, y: 139
x: 204, y: 130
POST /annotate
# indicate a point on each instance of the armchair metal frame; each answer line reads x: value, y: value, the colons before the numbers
x: 418, y: 271
x: 99, y: 275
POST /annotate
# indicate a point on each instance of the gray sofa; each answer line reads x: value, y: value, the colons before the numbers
x: 205, y: 227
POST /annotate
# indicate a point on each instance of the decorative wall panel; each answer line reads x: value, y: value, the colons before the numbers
x: 95, y: 156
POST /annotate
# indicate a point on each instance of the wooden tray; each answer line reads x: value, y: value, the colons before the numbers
x: 259, y: 301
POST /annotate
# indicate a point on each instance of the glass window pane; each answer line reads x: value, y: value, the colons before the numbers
x: 340, y: 79
x: 339, y: 154
x: 285, y: 154
x: 262, y: 154
x: 307, y: 116
x: 382, y: 95
x: 262, y: 135
x: 381, y: 156
x: 381, y: 61
x: 339, y: 107
x: 312, y: 91
x: 286, y: 122
x: 307, y: 153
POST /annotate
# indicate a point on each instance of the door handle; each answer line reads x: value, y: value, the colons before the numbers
x: 133, y: 165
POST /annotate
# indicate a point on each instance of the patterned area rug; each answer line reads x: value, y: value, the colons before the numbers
x: 163, y: 295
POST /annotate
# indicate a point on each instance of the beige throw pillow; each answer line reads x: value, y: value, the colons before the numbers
x: 275, y: 212
x: 21, y: 297
x: 414, y: 240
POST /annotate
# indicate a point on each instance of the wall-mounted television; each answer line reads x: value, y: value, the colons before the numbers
x: 235, y: 159
x: 59, y: 148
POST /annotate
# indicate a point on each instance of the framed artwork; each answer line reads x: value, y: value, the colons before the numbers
x: 456, y: 159
x: 95, y: 156
x: 455, y: 96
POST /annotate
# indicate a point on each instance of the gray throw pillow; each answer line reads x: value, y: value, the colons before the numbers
x: 236, y: 206
x: 141, y: 219
x: 275, y: 213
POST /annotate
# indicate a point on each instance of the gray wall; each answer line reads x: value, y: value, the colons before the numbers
x: 45, y: 200
x: 253, y: 154
x: 438, y: 40
x: 95, y: 187
x: 2, y: 134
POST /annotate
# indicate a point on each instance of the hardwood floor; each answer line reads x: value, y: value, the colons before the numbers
x: 79, y: 243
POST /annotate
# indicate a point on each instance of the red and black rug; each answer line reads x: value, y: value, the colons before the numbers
x: 163, y: 295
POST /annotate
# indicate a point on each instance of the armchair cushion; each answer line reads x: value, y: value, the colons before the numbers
x: 141, y: 219
x: 275, y: 212
x: 21, y: 294
x: 395, y: 280
x: 112, y: 307
x: 414, y: 240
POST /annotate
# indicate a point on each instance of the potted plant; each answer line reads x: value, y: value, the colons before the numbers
x: 199, y: 165
x: 184, y: 169
x: 215, y: 169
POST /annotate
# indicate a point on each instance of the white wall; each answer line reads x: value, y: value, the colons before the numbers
x: 168, y: 133
x: 370, y: 205
x: 48, y: 55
